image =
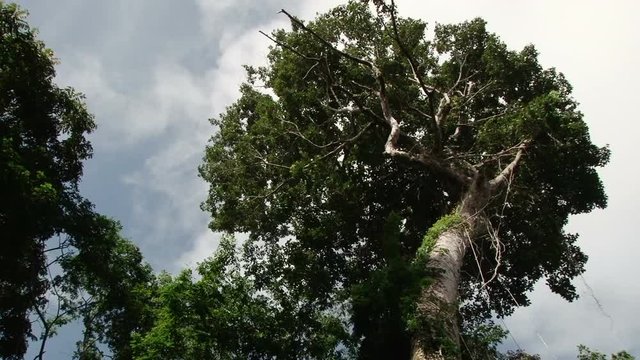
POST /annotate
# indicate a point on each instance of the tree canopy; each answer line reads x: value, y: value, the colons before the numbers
x: 370, y: 134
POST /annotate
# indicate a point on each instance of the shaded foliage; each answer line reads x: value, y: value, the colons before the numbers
x: 584, y: 353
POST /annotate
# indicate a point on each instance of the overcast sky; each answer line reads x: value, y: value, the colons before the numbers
x: 154, y: 71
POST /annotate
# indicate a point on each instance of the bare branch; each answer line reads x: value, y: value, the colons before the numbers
x: 422, y: 156
x: 343, y: 143
x: 460, y: 71
x: 443, y: 110
x: 485, y: 119
x: 260, y: 157
x: 348, y: 141
x: 426, y: 89
x: 391, y: 146
x: 506, y: 173
x: 470, y: 95
x: 273, y: 191
x: 309, y: 71
x: 343, y: 110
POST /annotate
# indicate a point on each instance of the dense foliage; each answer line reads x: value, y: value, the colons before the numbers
x: 42, y: 145
x: 59, y: 260
x: 221, y: 315
x: 335, y: 216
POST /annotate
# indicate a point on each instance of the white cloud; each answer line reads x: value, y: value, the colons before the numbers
x: 126, y: 118
x: 169, y: 175
x: 203, y: 247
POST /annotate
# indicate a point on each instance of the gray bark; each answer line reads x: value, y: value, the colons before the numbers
x: 439, y: 302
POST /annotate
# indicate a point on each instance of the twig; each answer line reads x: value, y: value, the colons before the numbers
x: 285, y: 46
x: 327, y: 43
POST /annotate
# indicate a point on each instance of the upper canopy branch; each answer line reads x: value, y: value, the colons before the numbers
x: 358, y: 60
x: 418, y: 152
x: 426, y: 89
x: 285, y: 46
x: 422, y: 155
x: 508, y: 171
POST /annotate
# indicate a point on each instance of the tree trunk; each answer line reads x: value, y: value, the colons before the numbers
x: 438, y: 304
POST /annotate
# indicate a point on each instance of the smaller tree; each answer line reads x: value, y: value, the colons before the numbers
x: 60, y: 260
x: 221, y: 315
x: 111, y: 286
x: 584, y: 353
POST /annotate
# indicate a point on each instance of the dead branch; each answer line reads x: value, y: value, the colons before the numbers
x: 355, y: 59
x: 422, y: 156
x: 426, y: 89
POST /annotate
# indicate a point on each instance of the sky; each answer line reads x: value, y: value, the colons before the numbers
x: 155, y: 71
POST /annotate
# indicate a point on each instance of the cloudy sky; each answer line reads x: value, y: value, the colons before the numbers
x: 154, y: 71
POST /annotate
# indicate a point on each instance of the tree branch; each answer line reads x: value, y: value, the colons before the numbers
x: 366, y: 63
x: 285, y: 46
x: 508, y: 171
x: 427, y: 90
x: 391, y: 146
x: 423, y: 156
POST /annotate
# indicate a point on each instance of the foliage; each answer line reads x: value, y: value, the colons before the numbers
x: 443, y: 224
x: 42, y: 146
x: 60, y: 260
x: 111, y: 281
x: 481, y: 342
x: 518, y: 355
x: 584, y: 353
x: 342, y: 174
x: 220, y: 315
x: 302, y: 168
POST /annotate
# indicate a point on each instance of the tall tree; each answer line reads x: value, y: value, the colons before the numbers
x: 42, y: 146
x: 370, y: 136
x: 55, y: 249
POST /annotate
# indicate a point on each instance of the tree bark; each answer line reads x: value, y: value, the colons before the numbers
x: 439, y: 302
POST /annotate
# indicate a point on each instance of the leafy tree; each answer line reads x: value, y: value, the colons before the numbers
x: 422, y: 184
x: 584, y: 353
x: 53, y: 243
x: 222, y: 316
x: 111, y: 284
x: 42, y: 146
x: 519, y: 355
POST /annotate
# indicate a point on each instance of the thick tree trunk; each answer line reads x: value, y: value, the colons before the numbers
x: 438, y: 303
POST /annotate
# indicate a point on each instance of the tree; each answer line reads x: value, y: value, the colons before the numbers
x: 110, y: 286
x: 519, y: 355
x: 222, y: 316
x: 584, y: 353
x: 59, y: 260
x: 372, y: 135
x: 42, y: 146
